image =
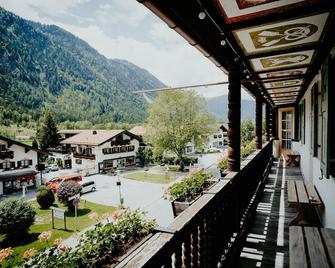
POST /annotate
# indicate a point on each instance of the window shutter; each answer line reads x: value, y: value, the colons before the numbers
x: 30, y: 162
x: 324, y: 160
x: 314, y: 120
x: 12, y: 164
x: 18, y: 163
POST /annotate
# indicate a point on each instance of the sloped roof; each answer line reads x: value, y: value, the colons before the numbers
x: 28, y: 147
x: 138, y: 130
x: 95, y: 137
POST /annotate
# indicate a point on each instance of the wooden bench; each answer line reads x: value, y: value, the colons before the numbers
x: 311, y: 247
x: 302, y: 196
x: 293, y: 158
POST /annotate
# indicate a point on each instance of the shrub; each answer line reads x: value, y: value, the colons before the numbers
x: 223, y: 164
x: 16, y: 216
x: 99, y: 246
x: 45, y: 197
x: 189, y: 188
x: 66, y: 190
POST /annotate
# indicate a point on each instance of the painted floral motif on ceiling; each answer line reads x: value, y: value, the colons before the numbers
x: 242, y: 4
x: 287, y: 83
x: 293, y: 72
x: 281, y: 90
x: 283, y: 61
x: 282, y: 34
x: 238, y: 10
x: 285, y: 94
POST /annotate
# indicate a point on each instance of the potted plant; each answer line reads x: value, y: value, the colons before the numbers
x: 184, y: 193
x: 222, y: 165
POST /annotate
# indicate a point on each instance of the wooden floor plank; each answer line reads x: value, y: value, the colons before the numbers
x: 316, y: 251
x: 298, y: 257
x: 301, y: 191
x: 292, y: 193
x: 329, y: 242
x: 313, y: 196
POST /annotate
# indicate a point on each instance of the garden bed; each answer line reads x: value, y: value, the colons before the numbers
x: 150, y: 177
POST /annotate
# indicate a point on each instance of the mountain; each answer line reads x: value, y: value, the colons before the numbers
x: 44, y: 66
x: 219, y: 107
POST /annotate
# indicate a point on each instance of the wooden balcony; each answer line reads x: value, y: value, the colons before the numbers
x: 6, y: 154
x: 84, y: 156
x: 213, y: 230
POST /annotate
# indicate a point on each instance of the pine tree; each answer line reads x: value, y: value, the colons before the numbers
x: 34, y: 144
x: 48, y: 135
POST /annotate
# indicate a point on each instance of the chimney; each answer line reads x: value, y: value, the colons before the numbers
x: 94, y: 132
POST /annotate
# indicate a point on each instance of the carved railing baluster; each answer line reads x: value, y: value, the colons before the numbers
x: 178, y: 257
x: 187, y: 251
x: 194, y: 248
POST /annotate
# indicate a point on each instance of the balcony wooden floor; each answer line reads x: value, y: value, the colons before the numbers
x: 267, y: 242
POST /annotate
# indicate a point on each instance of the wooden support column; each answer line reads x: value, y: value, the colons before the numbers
x: 259, y: 117
x: 267, y: 121
x: 274, y: 123
x: 296, y: 122
x: 234, y: 120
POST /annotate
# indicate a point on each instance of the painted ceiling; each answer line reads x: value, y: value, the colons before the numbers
x: 281, y: 52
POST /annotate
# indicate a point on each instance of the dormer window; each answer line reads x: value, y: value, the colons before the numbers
x: 2, y: 147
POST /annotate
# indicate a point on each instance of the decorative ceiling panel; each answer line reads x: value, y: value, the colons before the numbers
x: 237, y: 10
x: 284, y: 34
x: 292, y: 72
x: 284, y: 94
x: 283, y: 60
x: 281, y: 90
x: 286, y: 83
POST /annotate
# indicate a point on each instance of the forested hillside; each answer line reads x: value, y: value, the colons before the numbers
x: 45, y: 66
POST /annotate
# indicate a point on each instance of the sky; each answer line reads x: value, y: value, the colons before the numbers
x: 125, y: 29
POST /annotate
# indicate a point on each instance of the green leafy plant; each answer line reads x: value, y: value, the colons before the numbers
x: 99, y: 246
x: 16, y: 216
x: 45, y: 197
x: 66, y: 190
x: 248, y: 149
x: 223, y: 164
x: 189, y: 188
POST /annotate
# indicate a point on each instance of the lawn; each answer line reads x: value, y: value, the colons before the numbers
x: 150, y: 177
x: 43, y: 223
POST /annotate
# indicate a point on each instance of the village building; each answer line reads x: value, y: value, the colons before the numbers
x: 95, y: 151
x: 17, y: 165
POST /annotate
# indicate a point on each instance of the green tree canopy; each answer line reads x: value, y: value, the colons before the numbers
x: 48, y: 135
x: 177, y: 118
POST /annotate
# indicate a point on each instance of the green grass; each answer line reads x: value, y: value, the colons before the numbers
x: 150, y: 177
x: 43, y: 223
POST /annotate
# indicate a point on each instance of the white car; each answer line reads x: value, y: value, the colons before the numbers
x: 88, y: 186
x: 54, y: 167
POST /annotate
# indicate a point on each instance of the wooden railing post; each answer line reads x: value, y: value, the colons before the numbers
x: 234, y: 120
x: 259, y: 123
x: 267, y: 120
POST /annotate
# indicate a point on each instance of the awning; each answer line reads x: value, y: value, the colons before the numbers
x: 16, y: 174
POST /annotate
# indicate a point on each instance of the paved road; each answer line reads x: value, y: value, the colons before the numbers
x: 136, y: 194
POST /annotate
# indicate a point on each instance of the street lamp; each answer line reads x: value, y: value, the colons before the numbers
x: 118, y: 183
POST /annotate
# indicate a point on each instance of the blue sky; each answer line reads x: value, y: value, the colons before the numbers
x: 125, y: 29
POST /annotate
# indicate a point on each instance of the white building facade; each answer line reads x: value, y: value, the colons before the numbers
x: 95, y: 151
x: 17, y: 165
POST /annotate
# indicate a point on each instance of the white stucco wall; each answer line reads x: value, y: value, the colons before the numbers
x: 310, y: 166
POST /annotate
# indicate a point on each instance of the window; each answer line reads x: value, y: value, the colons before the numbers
x: 215, y: 136
x: 2, y: 147
x: 327, y: 156
x: 220, y: 136
x: 286, y: 129
x: 78, y: 161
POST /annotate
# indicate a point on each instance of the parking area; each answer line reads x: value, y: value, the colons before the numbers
x: 136, y: 194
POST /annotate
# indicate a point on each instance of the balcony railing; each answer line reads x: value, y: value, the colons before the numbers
x: 211, y: 231
x: 84, y: 156
x: 6, y: 154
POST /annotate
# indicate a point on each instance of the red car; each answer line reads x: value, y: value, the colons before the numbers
x: 56, y: 181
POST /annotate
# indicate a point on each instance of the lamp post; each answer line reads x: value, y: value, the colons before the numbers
x: 118, y: 183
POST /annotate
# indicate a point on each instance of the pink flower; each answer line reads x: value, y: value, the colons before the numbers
x: 5, y: 253
x: 62, y: 248
x: 29, y: 253
x: 45, y: 236
x: 58, y: 241
x: 117, y: 214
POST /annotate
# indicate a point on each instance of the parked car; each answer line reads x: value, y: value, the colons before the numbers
x: 46, y: 170
x: 54, y: 167
x: 88, y: 186
x: 56, y: 181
